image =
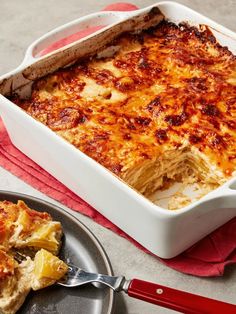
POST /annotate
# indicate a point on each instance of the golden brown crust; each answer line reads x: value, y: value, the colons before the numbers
x: 9, y: 214
x: 22, y: 228
x: 167, y: 88
x: 7, y: 265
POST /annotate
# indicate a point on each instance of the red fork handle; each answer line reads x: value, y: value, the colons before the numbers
x: 177, y: 300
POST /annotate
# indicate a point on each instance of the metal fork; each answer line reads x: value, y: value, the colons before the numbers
x: 177, y: 300
x: 77, y: 277
x: 150, y: 292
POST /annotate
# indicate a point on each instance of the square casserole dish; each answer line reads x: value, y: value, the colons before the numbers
x: 163, y: 232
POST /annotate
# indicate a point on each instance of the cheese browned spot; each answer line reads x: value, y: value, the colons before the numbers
x: 27, y: 231
x: 163, y: 107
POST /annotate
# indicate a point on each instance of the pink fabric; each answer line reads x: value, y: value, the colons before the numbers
x: 120, y: 6
x: 209, y: 257
x: 70, y: 39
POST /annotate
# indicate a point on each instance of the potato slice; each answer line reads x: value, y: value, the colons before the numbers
x: 48, y: 268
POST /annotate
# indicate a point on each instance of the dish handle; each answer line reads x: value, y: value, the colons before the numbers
x: 224, y: 196
x: 69, y: 33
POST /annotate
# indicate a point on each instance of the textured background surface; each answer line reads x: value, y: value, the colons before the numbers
x: 23, y: 21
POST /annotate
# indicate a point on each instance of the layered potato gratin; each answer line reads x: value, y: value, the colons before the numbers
x: 29, y: 233
x: 161, y: 109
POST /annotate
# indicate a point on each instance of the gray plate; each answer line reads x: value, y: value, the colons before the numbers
x: 81, y: 248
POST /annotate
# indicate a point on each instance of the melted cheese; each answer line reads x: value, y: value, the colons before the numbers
x: 22, y: 228
x: 163, y: 105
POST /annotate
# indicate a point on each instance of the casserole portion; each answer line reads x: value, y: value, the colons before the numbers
x: 26, y: 231
x: 161, y: 109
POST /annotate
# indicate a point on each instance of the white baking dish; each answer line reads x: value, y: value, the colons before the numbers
x: 165, y: 233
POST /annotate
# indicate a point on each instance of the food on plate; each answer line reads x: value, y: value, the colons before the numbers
x: 161, y: 109
x: 48, y: 268
x: 26, y: 232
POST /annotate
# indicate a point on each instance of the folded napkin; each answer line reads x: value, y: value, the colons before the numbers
x: 206, y: 258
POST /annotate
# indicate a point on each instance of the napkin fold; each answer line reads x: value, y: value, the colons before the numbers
x: 208, y: 257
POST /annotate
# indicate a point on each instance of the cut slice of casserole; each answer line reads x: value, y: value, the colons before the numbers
x: 26, y: 231
x: 15, y: 282
x: 33, y: 229
x: 161, y: 109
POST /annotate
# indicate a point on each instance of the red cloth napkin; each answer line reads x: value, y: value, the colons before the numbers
x: 206, y: 258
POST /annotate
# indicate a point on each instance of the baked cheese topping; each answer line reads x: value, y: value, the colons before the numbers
x: 22, y: 227
x: 27, y: 231
x: 162, y: 107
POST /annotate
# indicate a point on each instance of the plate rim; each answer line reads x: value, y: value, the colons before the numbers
x: 95, y: 240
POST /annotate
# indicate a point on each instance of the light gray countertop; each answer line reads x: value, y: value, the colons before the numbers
x: 23, y: 21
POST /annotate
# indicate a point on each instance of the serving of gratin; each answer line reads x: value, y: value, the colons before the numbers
x: 31, y: 233
x: 161, y: 109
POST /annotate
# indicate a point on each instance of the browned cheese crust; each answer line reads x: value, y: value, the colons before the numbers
x: 169, y: 89
x: 22, y: 229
